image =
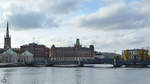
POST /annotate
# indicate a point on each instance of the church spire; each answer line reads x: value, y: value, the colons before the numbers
x: 7, y: 31
x: 7, y: 39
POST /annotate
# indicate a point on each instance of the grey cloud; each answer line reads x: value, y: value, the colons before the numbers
x: 64, y: 6
x: 38, y: 13
x: 56, y: 6
x: 31, y: 20
x: 121, y: 17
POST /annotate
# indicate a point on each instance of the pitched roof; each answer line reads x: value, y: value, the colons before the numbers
x: 9, y: 52
x: 26, y: 53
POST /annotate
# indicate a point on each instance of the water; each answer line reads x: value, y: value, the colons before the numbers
x: 74, y: 75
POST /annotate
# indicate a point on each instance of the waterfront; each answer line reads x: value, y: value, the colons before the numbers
x: 74, y: 75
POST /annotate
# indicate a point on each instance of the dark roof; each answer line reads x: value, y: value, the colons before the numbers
x: 33, y: 45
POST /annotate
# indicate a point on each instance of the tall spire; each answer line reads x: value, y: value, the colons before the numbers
x: 7, y: 31
x: 7, y: 39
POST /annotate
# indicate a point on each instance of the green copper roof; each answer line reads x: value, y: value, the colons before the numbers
x: 77, y: 42
x: 27, y: 53
x: 9, y: 52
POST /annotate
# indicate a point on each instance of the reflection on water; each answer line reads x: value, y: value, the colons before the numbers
x: 85, y: 75
x: 78, y: 76
x: 4, y: 78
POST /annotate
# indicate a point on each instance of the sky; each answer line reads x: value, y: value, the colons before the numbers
x: 109, y: 25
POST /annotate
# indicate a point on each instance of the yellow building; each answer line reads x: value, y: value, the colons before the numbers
x: 135, y: 54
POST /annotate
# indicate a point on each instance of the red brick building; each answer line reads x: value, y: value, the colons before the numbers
x: 40, y: 52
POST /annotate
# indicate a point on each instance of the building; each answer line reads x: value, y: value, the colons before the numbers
x: 26, y: 57
x: 7, y: 39
x: 15, y: 56
x: 9, y: 56
x: 40, y: 52
x: 72, y: 53
x: 135, y: 55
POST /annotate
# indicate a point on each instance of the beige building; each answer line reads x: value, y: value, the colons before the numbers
x: 135, y: 54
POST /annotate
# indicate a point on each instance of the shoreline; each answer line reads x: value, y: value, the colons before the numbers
x: 100, y: 66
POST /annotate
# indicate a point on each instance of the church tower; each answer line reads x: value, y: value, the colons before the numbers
x: 7, y: 39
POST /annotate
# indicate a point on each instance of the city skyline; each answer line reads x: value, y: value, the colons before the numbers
x: 120, y: 24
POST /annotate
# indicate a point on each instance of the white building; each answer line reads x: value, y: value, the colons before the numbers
x: 9, y: 56
x: 26, y: 57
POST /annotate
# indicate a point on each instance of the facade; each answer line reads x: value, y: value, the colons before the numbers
x: 26, y: 58
x: 15, y: 56
x: 72, y: 53
x: 40, y: 52
x: 7, y: 39
x: 9, y: 56
x: 135, y: 54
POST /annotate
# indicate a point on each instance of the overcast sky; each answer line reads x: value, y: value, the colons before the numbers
x: 110, y: 25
